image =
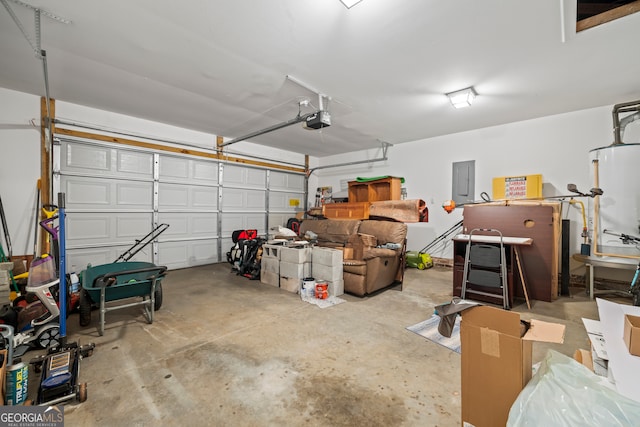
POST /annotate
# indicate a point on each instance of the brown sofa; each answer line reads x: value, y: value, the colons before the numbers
x: 371, y: 268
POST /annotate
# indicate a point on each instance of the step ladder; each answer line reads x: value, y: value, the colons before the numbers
x: 485, y: 265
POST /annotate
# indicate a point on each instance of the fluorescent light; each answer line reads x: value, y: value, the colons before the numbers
x: 462, y: 98
x: 350, y: 3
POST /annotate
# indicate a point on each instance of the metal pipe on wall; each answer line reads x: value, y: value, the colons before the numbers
x: 619, y: 125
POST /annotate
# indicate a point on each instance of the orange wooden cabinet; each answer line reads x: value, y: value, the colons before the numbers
x: 346, y: 210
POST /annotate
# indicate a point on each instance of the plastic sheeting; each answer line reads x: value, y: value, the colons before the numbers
x: 565, y: 393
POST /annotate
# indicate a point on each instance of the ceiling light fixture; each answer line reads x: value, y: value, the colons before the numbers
x: 350, y: 3
x: 463, y: 97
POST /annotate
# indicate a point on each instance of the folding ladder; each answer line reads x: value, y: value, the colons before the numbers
x: 484, y: 265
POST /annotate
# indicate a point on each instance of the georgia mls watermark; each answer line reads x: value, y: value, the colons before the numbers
x: 31, y: 416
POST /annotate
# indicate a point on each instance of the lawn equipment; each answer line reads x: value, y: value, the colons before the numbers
x: 421, y: 259
x: 246, y: 254
x: 60, y: 367
x: 122, y: 279
x: 35, y: 315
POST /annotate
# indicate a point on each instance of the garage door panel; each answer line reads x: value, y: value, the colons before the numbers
x: 131, y: 162
x: 132, y: 194
x: 174, y: 167
x: 106, y: 194
x: 205, y: 197
x: 90, y: 160
x: 181, y: 169
x: 286, y: 181
x: 204, y: 252
x: 244, y: 177
x: 88, y: 228
x: 178, y: 224
x: 205, y: 171
x: 203, y: 224
x: 111, y: 202
x: 256, y: 177
x: 241, y: 199
x: 279, y: 201
x: 172, y: 196
x: 233, y: 175
x: 188, y: 254
x: 131, y: 226
x: 84, y: 157
x: 189, y: 224
x: 181, y: 196
x: 93, y: 228
x: 255, y: 200
x: 232, y: 222
x: 78, y: 259
x: 173, y: 254
x: 86, y: 192
x: 278, y: 219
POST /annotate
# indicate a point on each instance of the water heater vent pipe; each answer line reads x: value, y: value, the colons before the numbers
x: 620, y: 124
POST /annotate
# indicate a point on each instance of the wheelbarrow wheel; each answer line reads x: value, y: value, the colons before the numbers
x: 84, y: 306
x: 158, y: 297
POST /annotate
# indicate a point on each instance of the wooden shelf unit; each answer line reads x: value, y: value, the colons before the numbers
x: 375, y: 191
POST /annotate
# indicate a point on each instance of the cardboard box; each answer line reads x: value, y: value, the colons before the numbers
x: 496, y: 361
x: 632, y: 333
x: 584, y: 357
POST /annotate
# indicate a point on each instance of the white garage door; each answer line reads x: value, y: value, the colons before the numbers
x: 117, y: 194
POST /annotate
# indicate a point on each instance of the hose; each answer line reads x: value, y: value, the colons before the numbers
x: 585, y: 235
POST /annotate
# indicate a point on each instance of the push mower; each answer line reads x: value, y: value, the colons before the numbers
x: 421, y: 259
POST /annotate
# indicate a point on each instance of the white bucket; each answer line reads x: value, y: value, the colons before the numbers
x: 308, y: 288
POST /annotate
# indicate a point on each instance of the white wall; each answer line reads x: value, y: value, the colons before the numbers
x: 19, y: 166
x: 556, y: 147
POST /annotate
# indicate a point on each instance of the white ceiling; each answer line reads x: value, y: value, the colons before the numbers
x: 221, y: 66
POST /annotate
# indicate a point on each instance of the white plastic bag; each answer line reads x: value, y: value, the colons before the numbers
x: 565, y: 393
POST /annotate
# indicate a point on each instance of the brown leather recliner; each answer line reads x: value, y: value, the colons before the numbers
x: 372, y: 268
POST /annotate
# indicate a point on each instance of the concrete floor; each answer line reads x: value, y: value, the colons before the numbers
x: 224, y: 350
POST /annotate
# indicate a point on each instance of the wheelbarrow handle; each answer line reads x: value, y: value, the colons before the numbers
x: 110, y: 278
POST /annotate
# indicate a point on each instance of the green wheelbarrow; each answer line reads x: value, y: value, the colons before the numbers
x: 120, y: 281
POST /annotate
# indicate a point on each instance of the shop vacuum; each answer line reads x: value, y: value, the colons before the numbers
x: 60, y: 367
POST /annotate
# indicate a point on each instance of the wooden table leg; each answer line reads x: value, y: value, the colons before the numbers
x: 520, y: 271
